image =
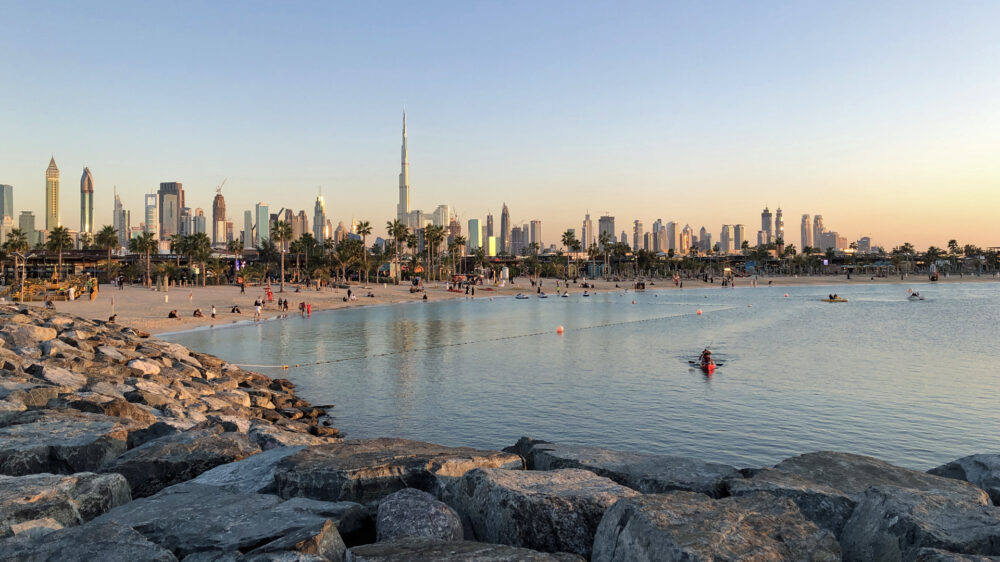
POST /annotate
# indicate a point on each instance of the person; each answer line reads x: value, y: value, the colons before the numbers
x: 236, y: 309
x: 348, y: 293
x: 243, y: 288
x: 172, y: 314
x: 831, y: 296
x: 706, y: 357
x: 213, y: 311
x: 256, y: 310
x: 285, y: 306
x: 197, y: 313
x: 425, y: 296
x: 49, y: 304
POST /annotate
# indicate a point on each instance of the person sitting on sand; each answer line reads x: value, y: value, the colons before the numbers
x: 172, y: 314
x: 236, y: 309
x: 197, y: 313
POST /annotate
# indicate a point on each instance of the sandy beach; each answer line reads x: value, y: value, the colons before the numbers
x: 147, y: 310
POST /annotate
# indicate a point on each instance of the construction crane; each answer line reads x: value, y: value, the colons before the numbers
x: 219, y: 189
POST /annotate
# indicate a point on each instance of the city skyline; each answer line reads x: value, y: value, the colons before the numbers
x: 871, y: 134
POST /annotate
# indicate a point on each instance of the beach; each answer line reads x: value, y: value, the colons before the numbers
x: 147, y: 309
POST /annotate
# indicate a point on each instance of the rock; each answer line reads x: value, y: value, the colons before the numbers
x: 176, y: 458
x: 935, y: 555
x: 827, y: 507
x: 645, y: 473
x: 980, y: 470
x: 162, y: 428
x: 190, y: 518
x: 434, y: 550
x: 321, y: 539
x: 414, y: 513
x: 111, y: 353
x: 254, y: 474
x: 551, y: 511
x: 683, y: 526
x: 36, y: 527
x: 110, y: 542
x: 147, y: 367
x: 853, y: 474
x: 366, y: 470
x: 26, y: 335
x: 63, y: 377
x: 67, y: 500
x: 894, y: 523
x: 61, y: 442
x: 269, y: 437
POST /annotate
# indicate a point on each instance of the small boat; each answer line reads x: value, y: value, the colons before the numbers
x: 564, y: 295
x: 838, y: 299
x: 915, y: 297
x: 542, y: 296
x: 520, y: 296
x: 586, y: 294
x: 708, y: 367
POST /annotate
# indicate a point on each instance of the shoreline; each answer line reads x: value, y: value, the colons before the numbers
x: 146, y: 309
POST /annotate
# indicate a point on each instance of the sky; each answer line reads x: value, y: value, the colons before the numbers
x: 884, y: 117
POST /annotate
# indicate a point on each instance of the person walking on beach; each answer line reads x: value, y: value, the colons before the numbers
x: 213, y: 311
x: 256, y: 310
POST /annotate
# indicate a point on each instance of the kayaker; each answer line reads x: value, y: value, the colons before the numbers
x: 706, y: 356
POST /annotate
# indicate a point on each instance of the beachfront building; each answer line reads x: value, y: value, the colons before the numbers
x: 152, y: 215
x: 475, y: 239
x: 52, y: 196
x: 806, y: 232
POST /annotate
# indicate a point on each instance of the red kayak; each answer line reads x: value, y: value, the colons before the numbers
x: 708, y: 367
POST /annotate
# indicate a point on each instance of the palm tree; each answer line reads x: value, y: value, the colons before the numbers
x: 348, y: 251
x: 282, y: 232
x: 17, y: 243
x: 433, y: 236
x: 412, y: 243
x: 107, y: 238
x: 179, y: 245
x: 604, y: 240
x: 398, y: 232
x: 568, y: 241
x: 86, y: 241
x: 199, y: 247
x: 458, y: 249
x: 59, y: 239
x: 308, y: 244
x: 145, y: 243
x: 364, y: 229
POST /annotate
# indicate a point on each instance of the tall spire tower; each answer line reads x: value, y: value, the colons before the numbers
x: 52, y: 196
x: 87, y: 202
x: 403, y: 207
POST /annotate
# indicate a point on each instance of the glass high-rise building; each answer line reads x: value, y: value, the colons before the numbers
x: 475, y: 239
x: 6, y: 201
x: 87, y: 202
x: 152, y: 213
x: 171, y: 202
x: 52, y: 196
x: 262, y: 214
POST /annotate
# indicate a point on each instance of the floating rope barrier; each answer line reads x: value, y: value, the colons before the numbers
x: 458, y: 344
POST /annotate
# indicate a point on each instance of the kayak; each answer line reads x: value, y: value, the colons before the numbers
x: 708, y: 367
x: 838, y: 299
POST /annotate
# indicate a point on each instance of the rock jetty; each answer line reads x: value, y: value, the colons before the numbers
x: 118, y: 447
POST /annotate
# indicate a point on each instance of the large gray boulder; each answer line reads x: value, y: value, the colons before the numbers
x: 367, y: 470
x: 938, y: 555
x: 827, y: 507
x: 686, y: 526
x: 321, y: 540
x: 66, y: 500
x: 853, y: 474
x: 434, y: 550
x: 980, y: 470
x: 415, y: 513
x: 893, y: 523
x: 551, y: 511
x: 61, y: 442
x: 252, y: 475
x: 189, y: 518
x: 177, y: 458
x: 107, y: 542
x: 643, y: 472
x: 25, y: 335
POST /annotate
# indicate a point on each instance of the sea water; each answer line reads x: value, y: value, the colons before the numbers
x: 914, y: 383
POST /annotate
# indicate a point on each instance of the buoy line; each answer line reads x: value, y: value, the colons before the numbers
x: 457, y: 344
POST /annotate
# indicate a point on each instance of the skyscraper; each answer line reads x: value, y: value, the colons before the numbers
x: 725, y: 239
x: 739, y: 236
x: 152, y: 214
x: 587, y: 232
x: 606, y: 224
x: 87, y: 202
x: 806, y: 232
x: 489, y: 225
x: 687, y: 235
x: 403, y: 207
x: 248, y: 237
x: 52, y: 196
x: 171, y: 201
x: 637, y: 235
x: 475, y: 235
x: 765, y: 225
x: 121, y: 220
x: 672, y: 234
x: 300, y: 225
x: 26, y: 222
x: 262, y: 224
x: 219, y: 218
x: 6, y: 201
x: 779, y: 226
x: 536, y: 233
x: 505, y: 246
x: 818, y: 232
x: 319, y: 219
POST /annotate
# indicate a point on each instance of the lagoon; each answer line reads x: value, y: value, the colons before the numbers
x: 914, y: 383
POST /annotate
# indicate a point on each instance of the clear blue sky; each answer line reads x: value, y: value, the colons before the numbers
x: 884, y: 117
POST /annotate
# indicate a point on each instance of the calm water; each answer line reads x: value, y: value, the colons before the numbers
x: 915, y: 383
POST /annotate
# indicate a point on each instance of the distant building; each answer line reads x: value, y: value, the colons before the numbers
x: 623, y: 238
x: 87, y: 202
x: 121, y: 219
x: 248, y: 230
x: 491, y: 246
x: 489, y: 226
x: 587, y: 231
x: 865, y: 245
x: 637, y: 237
x: 765, y: 227
x: 319, y: 219
x: 475, y: 239
x: 6, y: 201
x: 687, y: 239
x: 536, y: 233
x: 779, y: 226
x: 703, y: 239
x: 219, y: 219
x: 300, y: 225
x: 806, y: 232
x: 454, y: 229
x: 340, y: 233
x: 263, y: 224
x: 504, y: 230
x: 26, y: 222
x: 739, y: 237
x: 414, y: 219
x: 726, y: 239
x: 152, y: 214
x: 517, y: 236
x: 606, y: 225
x: 442, y: 215
x: 673, y: 238
x: 199, y: 223
x: 52, y: 196
x: 818, y: 232
x: 647, y: 241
